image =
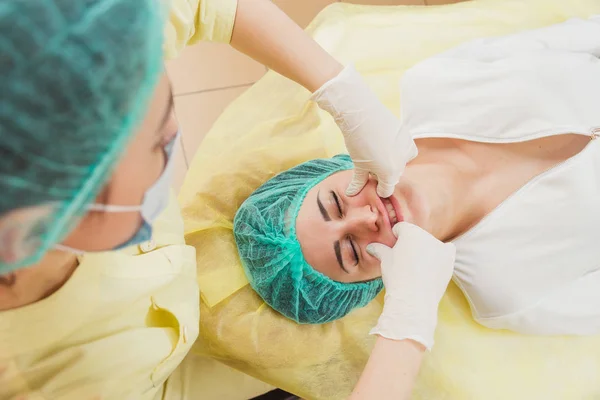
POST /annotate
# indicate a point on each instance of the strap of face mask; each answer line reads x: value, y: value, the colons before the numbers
x: 69, y: 249
x: 160, y: 185
x: 113, y: 208
x: 155, y: 201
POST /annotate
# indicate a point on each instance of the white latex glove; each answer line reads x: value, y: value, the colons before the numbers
x: 371, y: 132
x: 416, y: 272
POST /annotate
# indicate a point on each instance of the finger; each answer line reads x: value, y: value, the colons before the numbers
x: 399, y: 228
x: 385, y: 189
x: 359, y: 180
x: 396, y: 230
x: 450, y: 251
x: 380, y: 251
x: 445, y: 269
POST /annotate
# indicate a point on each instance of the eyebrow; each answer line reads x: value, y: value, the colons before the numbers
x: 165, y: 117
x: 324, y: 212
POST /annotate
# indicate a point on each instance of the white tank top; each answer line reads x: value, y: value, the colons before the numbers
x: 533, y: 264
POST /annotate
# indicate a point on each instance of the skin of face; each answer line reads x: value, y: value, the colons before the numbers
x: 350, y: 224
x: 139, y: 167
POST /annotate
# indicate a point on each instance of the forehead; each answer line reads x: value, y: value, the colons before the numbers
x: 309, y: 209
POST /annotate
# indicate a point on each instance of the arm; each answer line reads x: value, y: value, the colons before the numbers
x: 265, y: 33
x: 257, y: 28
x: 371, y: 132
x: 262, y: 31
x: 391, y: 370
x: 192, y: 21
x: 415, y: 273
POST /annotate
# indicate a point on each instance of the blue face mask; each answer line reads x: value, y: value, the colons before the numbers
x: 155, y: 201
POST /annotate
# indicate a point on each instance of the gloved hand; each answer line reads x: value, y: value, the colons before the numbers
x: 371, y: 132
x: 416, y: 272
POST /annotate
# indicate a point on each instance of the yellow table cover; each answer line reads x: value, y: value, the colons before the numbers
x: 272, y: 127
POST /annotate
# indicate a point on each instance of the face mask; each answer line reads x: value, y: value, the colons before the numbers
x: 155, y: 201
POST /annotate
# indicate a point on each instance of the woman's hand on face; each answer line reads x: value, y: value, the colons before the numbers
x: 372, y: 133
x: 415, y: 272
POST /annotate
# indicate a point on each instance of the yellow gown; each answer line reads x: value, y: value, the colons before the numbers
x: 125, y: 320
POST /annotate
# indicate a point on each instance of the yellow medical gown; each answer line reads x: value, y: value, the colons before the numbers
x: 116, y: 330
x: 192, y: 21
x: 125, y: 320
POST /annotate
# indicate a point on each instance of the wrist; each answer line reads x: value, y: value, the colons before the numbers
x: 401, y: 321
x: 328, y: 71
x: 420, y: 311
x: 419, y: 347
x: 346, y: 90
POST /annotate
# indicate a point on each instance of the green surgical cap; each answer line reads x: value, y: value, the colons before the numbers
x: 265, y: 233
x: 77, y: 77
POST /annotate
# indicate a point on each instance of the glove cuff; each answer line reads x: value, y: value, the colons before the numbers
x: 426, y: 342
x: 347, y: 93
x: 406, y: 328
x: 400, y: 321
x: 322, y: 96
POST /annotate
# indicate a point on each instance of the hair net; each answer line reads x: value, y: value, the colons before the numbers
x: 265, y: 233
x: 76, y: 80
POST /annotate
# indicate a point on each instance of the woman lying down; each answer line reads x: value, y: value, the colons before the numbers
x: 507, y: 170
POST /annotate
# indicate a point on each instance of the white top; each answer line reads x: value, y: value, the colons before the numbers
x: 533, y: 264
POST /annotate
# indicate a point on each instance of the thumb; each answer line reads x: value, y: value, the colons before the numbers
x: 450, y: 251
x: 380, y: 251
x: 406, y: 228
x: 385, y: 189
x: 359, y: 180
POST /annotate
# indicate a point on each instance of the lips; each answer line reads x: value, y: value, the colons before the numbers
x: 393, y: 209
x: 391, y: 212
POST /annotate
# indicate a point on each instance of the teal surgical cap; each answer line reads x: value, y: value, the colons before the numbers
x: 265, y: 233
x: 76, y: 79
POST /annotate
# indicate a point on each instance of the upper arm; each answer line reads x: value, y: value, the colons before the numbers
x: 191, y: 21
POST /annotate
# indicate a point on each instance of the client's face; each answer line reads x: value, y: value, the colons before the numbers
x: 334, y: 229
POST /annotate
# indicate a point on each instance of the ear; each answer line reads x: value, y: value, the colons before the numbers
x: 20, y: 233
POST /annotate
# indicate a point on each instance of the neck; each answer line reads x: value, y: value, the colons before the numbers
x: 446, y: 187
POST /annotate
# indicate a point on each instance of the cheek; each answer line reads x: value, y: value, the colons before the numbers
x: 104, y: 231
x: 316, y: 248
x: 371, y: 268
x: 135, y: 176
x: 360, y: 200
x: 365, y: 197
x: 376, y: 270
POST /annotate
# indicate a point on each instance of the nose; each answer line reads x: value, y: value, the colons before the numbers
x: 362, y: 219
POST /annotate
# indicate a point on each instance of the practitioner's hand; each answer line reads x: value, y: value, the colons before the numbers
x: 371, y: 132
x: 416, y: 272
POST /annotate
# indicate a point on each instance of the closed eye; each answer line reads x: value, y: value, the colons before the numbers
x: 355, y: 253
x: 337, y: 203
